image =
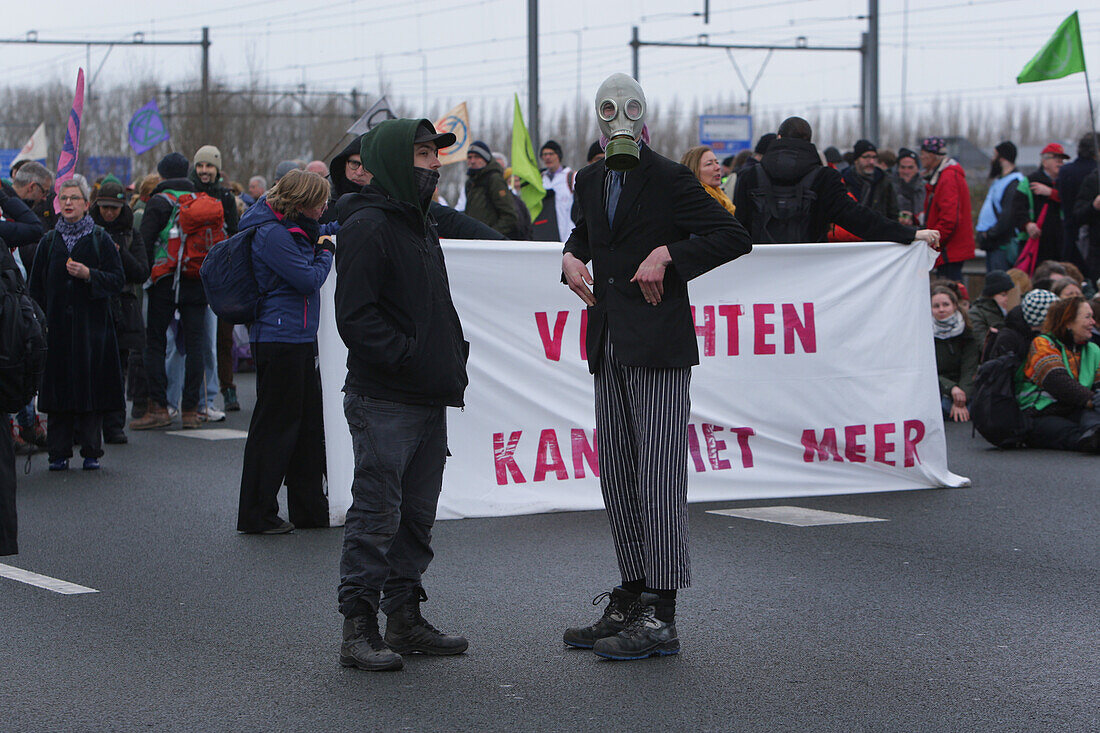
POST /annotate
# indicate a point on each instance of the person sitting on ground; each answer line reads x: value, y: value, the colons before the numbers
x: 1074, y: 273
x: 987, y: 315
x: 957, y: 353
x: 956, y: 287
x: 702, y: 161
x: 1067, y: 288
x: 76, y: 272
x: 1059, y: 378
x: 1022, y: 324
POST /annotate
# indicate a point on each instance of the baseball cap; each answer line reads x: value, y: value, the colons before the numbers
x: 1054, y: 149
x: 425, y: 133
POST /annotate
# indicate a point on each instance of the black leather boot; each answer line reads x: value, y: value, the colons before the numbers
x: 363, y: 646
x: 615, y: 618
x: 408, y: 631
x: 645, y: 635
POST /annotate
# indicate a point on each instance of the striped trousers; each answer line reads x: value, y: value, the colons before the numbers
x: 641, y: 429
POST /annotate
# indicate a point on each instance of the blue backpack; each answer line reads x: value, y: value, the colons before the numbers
x: 228, y: 279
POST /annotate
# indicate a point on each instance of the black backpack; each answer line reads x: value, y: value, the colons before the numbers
x: 228, y: 280
x: 781, y: 214
x: 994, y: 411
x: 22, y: 339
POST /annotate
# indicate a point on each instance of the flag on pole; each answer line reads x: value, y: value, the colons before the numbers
x: 378, y: 112
x: 147, y: 129
x: 456, y: 121
x: 37, y: 148
x: 525, y: 166
x: 1062, y: 55
x: 66, y: 162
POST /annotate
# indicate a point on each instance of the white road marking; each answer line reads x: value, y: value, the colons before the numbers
x: 211, y: 434
x: 794, y: 516
x: 43, y: 581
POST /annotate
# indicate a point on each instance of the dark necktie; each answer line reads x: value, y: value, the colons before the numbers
x: 614, y: 188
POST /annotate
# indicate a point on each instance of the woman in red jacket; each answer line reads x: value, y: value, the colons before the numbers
x: 947, y: 207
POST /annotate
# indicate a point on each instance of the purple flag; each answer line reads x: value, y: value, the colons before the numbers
x: 66, y: 162
x: 147, y: 128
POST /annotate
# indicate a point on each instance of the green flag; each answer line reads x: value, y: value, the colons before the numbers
x: 524, y: 165
x: 1062, y: 55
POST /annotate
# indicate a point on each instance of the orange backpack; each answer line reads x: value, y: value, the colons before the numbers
x: 197, y: 224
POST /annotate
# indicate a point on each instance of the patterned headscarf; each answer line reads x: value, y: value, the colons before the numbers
x: 1035, y: 306
x: 934, y: 145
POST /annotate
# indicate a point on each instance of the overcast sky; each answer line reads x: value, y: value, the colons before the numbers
x: 476, y: 50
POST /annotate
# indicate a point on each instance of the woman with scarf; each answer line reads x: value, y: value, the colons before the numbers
x: 77, y: 272
x: 286, y: 435
x: 957, y: 353
x: 704, y: 164
x: 1057, y: 392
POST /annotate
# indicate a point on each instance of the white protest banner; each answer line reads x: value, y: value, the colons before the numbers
x: 817, y: 376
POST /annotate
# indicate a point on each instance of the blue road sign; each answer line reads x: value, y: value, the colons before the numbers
x: 725, y: 134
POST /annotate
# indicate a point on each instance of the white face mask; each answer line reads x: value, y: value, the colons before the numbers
x: 620, y: 111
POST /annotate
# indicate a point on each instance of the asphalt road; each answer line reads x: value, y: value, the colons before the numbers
x: 968, y: 610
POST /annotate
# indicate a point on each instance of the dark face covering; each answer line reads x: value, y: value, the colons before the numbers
x: 995, y: 167
x: 426, y: 181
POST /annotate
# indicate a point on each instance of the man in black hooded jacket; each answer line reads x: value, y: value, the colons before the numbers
x: 793, y: 158
x: 406, y: 365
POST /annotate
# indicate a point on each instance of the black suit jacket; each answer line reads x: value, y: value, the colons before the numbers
x: 662, y: 203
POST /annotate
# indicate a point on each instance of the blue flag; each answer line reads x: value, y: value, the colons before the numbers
x: 147, y: 128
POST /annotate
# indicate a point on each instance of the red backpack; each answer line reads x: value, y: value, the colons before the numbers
x: 197, y: 224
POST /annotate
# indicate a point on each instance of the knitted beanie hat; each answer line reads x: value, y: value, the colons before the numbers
x: 1035, y: 306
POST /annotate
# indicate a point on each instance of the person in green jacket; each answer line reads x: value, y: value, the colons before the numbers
x: 957, y: 353
x: 987, y: 314
x: 487, y: 196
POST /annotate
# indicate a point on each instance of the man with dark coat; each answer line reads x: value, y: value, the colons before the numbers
x: 406, y: 365
x: 206, y: 174
x: 792, y: 159
x: 8, y: 517
x: 20, y: 227
x: 869, y: 183
x: 996, y: 232
x: 161, y: 304
x: 487, y: 196
x: 1070, y: 179
x: 110, y: 211
x: 648, y: 227
x: 1039, y: 196
x: 1086, y: 211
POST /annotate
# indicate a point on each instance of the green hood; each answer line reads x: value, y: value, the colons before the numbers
x: 387, y: 152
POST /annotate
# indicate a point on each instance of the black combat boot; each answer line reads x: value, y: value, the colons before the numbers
x: 646, y: 635
x: 615, y: 618
x: 408, y: 631
x: 363, y: 646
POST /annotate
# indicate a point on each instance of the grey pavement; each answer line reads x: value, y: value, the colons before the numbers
x: 969, y: 610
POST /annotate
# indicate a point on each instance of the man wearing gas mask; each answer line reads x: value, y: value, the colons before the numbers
x: 647, y: 226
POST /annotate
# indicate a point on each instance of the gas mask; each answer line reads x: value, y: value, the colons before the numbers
x: 620, y: 111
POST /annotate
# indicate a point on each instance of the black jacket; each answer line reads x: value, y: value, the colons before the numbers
x: 877, y: 194
x: 393, y: 304
x: 787, y: 161
x: 9, y: 523
x: 451, y: 224
x: 1014, y: 337
x: 1050, y: 239
x: 338, y: 179
x: 23, y: 228
x: 661, y: 203
x: 158, y: 212
x: 129, y: 324
x: 1085, y: 214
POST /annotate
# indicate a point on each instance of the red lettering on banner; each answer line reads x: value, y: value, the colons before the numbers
x: 762, y: 329
x: 804, y: 328
x: 584, y: 451
x: 715, y: 447
x: 693, y: 450
x: 584, y: 335
x: 911, y: 439
x: 823, y: 448
x: 551, y: 344
x: 855, y: 451
x: 548, y: 457
x: 882, y: 445
x: 504, y: 460
x: 743, y: 435
x: 706, y: 330
x: 731, y: 313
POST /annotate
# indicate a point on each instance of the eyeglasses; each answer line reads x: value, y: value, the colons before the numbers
x: 354, y: 165
x: 69, y: 199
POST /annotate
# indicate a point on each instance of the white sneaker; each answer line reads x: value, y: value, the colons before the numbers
x: 211, y: 414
